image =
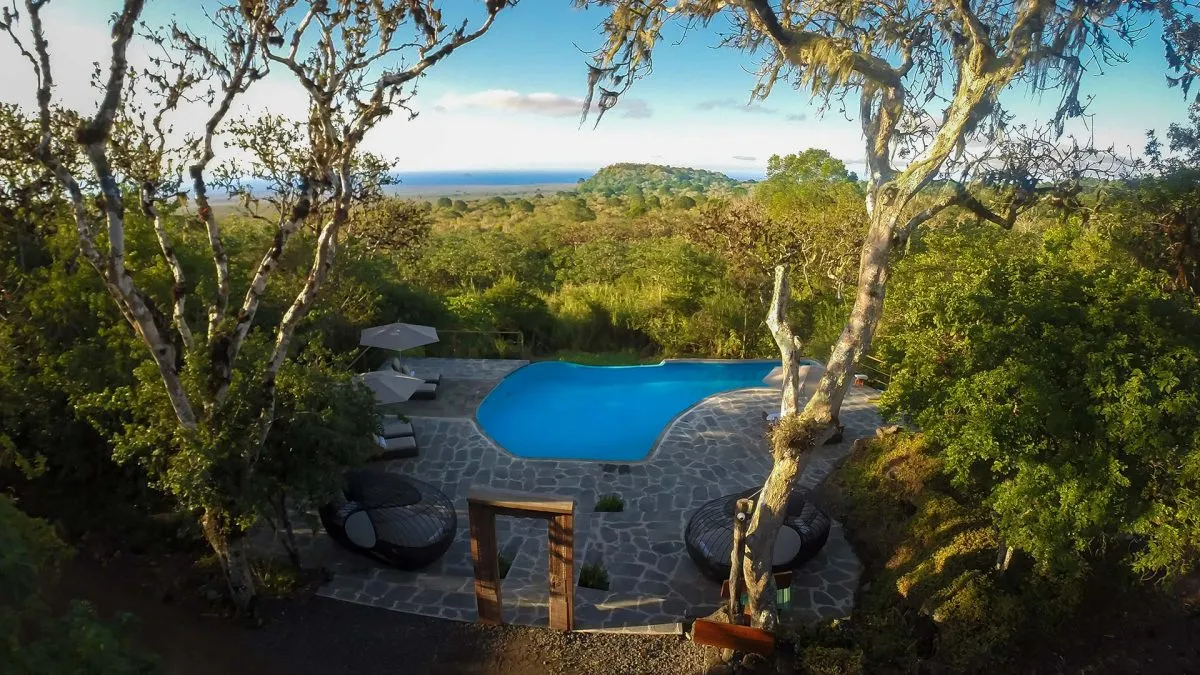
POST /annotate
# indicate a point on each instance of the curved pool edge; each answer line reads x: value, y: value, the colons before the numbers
x: 662, y: 434
x: 650, y: 455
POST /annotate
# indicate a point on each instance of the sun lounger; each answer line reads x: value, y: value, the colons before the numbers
x: 397, y: 365
x: 425, y: 392
x: 402, y: 447
x: 393, y: 427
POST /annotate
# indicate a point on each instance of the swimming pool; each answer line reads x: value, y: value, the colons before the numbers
x: 560, y: 410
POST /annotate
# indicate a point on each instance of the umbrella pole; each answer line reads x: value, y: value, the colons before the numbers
x: 361, y: 351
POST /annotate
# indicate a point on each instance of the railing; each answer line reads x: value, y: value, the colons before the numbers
x: 875, y: 370
x: 478, y: 344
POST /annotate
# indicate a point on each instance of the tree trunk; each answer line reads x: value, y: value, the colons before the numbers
x: 235, y: 563
x: 289, y: 534
x: 819, y: 416
x: 785, y: 339
x: 768, y: 516
x: 1004, y: 555
x: 855, y: 340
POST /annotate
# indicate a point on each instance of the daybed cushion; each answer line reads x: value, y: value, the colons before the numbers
x: 360, y: 530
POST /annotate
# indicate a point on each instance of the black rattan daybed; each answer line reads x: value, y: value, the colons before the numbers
x: 709, y: 534
x: 400, y: 521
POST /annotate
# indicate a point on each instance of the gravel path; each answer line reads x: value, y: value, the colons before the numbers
x: 330, y: 637
x: 317, y: 636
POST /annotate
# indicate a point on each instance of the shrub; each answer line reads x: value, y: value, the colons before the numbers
x: 934, y: 595
x: 684, y: 202
x: 36, y: 640
x: 1060, y: 380
x: 821, y: 660
x: 593, y: 575
x: 610, y: 503
x: 444, y: 202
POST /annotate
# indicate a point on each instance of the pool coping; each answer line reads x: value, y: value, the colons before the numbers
x: 662, y: 434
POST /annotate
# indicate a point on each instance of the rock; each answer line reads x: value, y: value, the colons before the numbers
x: 889, y: 430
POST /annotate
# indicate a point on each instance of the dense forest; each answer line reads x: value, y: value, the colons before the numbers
x: 178, y: 336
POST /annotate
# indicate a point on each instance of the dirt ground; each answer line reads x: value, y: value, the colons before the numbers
x: 327, y: 637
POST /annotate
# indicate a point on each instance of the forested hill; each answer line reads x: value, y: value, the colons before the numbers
x: 617, y: 179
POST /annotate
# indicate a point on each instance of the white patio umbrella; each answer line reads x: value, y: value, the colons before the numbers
x: 398, y: 336
x: 389, y: 386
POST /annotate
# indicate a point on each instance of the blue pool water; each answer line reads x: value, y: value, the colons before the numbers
x: 561, y: 410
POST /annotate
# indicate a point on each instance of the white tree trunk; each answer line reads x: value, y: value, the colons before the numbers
x: 789, y: 345
x: 179, y: 290
x: 225, y: 353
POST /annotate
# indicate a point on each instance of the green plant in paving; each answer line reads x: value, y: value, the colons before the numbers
x: 593, y: 575
x: 610, y: 503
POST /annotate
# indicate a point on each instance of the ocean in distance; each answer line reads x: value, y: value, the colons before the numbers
x: 507, y: 177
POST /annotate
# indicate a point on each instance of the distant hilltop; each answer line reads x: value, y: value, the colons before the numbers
x: 627, y: 177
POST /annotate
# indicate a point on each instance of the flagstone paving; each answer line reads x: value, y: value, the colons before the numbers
x: 715, y: 448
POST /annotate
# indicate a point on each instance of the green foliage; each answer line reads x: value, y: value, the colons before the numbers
x: 625, y: 358
x: 630, y: 179
x: 934, y: 595
x: 593, y: 575
x: 325, y: 423
x: 444, y: 202
x: 684, y: 202
x: 1157, y: 218
x: 37, y: 641
x: 611, y: 503
x: 461, y: 206
x: 823, y: 660
x: 395, y: 226
x: 1063, y: 382
x: 578, y: 211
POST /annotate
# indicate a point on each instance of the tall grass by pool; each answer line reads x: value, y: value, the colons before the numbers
x: 554, y: 409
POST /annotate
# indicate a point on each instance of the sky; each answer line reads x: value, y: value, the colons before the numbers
x: 511, y: 100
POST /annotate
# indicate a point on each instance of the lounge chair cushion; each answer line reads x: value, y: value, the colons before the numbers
x: 399, y: 443
x: 360, y: 530
x: 424, y: 392
x: 393, y: 428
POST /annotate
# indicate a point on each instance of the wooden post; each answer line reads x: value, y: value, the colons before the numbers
x: 485, y: 556
x: 483, y: 504
x: 741, y: 519
x: 562, y: 572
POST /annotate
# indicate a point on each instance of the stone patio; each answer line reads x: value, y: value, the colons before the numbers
x: 713, y: 449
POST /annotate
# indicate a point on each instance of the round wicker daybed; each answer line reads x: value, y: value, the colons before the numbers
x: 400, y: 521
x: 709, y: 534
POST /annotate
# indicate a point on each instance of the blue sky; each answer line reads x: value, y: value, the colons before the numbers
x: 510, y: 100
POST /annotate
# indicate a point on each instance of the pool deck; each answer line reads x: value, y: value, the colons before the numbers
x: 715, y: 448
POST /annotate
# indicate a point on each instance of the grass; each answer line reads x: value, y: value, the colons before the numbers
x: 622, y: 358
x: 610, y: 504
x: 593, y: 575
